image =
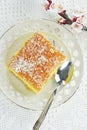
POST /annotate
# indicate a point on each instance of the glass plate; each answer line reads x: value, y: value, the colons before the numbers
x: 62, y: 39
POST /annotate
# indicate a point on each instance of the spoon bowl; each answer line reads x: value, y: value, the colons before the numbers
x: 64, y: 72
x: 62, y: 76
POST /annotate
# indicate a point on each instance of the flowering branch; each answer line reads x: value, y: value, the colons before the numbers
x: 76, y: 22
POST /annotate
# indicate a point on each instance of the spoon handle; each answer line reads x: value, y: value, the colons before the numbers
x: 44, y: 112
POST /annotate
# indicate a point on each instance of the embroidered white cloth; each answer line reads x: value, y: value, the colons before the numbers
x: 70, y: 116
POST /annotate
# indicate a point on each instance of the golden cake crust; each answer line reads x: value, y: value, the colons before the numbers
x: 35, y: 62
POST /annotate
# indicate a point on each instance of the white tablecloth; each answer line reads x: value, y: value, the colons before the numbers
x: 70, y: 116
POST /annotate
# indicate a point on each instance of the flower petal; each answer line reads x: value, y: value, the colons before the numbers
x: 61, y: 9
x: 61, y: 20
x: 77, y: 26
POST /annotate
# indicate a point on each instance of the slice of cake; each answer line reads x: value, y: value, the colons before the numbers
x: 36, y: 62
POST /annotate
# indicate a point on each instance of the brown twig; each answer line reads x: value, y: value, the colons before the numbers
x: 66, y: 17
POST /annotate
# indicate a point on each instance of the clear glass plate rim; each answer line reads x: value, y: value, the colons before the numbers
x: 2, y: 91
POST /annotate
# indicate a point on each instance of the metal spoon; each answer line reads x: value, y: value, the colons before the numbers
x: 63, y: 76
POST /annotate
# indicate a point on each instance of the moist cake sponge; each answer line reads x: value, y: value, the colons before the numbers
x: 36, y: 62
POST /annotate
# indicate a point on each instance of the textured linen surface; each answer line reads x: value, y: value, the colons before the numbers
x: 70, y: 116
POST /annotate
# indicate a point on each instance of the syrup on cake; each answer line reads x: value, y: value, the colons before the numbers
x: 36, y: 62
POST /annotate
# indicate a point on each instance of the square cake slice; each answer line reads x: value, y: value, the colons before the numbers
x: 36, y: 62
